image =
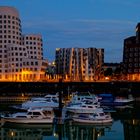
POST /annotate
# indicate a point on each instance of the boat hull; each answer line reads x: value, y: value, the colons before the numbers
x: 117, y: 103
x: 27, y: 120
x: 80, y: 110
x: 92, y: 121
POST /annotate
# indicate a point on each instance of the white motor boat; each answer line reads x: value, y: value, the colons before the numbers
x: 123, y: 101
x: 98, y: 117
x: 110, y: 100
x: 84, y: 97
x: 53, y: 97
x: 49, y: 100
x: 83, y: 108
x: 32, y: 116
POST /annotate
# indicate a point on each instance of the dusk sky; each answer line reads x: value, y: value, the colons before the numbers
x: 79, y: 23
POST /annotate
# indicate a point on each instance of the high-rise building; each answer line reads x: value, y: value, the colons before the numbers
x: 79, y: 64
x: 131, y: 56
x: 21, y: 56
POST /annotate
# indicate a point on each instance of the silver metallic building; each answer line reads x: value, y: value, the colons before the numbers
x: 79, y: 64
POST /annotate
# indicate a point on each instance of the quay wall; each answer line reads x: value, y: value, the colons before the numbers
x: 37, y: 88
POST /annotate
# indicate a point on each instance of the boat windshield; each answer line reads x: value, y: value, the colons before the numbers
x: 54, y: 99
x: 101, y: 114
x: 48, y: 99
x: 94, y: 114
x: 47, y: 113
x: 90, y: 106
x: 36, y: 113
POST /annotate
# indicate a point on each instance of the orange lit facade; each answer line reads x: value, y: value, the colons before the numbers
x: 79, y: 64
x: 21, y: 56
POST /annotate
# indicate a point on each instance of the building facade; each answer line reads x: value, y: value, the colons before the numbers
x: 79, y: 64
x: 131, y: 56
x: 21, y: 56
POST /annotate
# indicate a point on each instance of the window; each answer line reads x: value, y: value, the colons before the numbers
x: 36, y: 63
x: 36, y: 113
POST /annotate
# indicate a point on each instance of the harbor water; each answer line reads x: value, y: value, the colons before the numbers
x: 125, y: 126
x: 64, y: 132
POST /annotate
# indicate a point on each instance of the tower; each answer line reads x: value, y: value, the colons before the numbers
x: 10, y: 33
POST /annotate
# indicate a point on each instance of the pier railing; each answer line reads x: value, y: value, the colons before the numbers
x: 12, y: 99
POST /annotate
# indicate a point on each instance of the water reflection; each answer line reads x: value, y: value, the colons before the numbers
x: 127, y: 129
x: 78, y: 131
x: 67, y: 131
x: 131, y: 129
x: 25, y: 132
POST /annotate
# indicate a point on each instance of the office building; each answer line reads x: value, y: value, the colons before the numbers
x: 131, y: 56
x: 21, y: 56
x: 79, y: 64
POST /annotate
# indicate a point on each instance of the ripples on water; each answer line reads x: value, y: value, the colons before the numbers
x: 126, y: 126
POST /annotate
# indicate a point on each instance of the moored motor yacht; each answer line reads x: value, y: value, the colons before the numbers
x: 120, y: 101
x: 84, y: 97
x: 83, y: 108
x: 97, y: 117
x: 109, y: 99
x: 52, y: 96
x: 50, y: 100
x: 32, y: 116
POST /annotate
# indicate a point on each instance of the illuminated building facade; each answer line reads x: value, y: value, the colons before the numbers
x: 79, y: 64
x: 21, y: 56
x: 131, y: 56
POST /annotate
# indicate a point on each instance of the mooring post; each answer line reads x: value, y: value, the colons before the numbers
x: 60, y: 100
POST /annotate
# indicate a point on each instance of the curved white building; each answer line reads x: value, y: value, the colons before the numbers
x: 21, y: 56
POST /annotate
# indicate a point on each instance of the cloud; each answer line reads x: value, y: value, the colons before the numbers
x: 107, y: 34
x: 80, y: 27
